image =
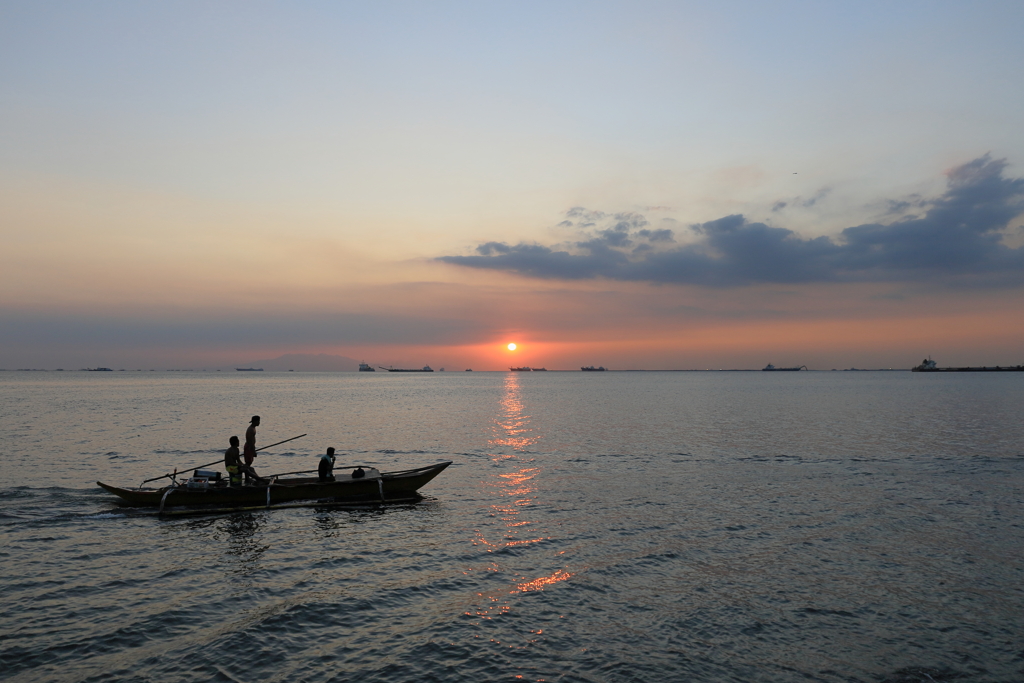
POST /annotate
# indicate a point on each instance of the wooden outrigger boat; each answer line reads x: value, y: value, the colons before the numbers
x: 206, y: 491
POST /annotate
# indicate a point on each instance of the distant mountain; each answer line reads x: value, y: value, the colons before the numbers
x: 305, y: 362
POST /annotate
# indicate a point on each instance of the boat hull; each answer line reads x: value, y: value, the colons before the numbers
x: 1012, y: 368
x: 388, y: 487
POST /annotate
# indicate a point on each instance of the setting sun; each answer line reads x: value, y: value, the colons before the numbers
x: 512, y: 347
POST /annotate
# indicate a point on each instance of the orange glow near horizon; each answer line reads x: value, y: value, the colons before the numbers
x: 959, y: 338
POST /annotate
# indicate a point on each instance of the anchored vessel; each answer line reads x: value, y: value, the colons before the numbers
x: 207, y: 491
x: 928, y: 365
x: 425, y: 368
x: 772, y: 368
x: 363, y: 367
x: 591, y: 368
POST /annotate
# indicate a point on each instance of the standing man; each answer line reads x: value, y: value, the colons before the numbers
x: 249, y: 450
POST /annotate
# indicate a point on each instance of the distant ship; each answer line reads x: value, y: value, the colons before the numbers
x: 469, y: 369
x: 99, y: 369
x: 425, y: 368
x: 363, y: 367
x: 928, y: 365
x: 540, y: 369
x: 525, y: 368
x: 591, y: 368
x: 772, y: 368
x: 249, y: 369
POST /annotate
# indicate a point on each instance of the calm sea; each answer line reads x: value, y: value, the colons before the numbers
x: 719, y: 526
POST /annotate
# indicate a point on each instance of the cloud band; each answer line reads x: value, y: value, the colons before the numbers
x: 956, y: 238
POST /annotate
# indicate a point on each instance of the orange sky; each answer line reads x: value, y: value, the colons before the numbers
x: 181, y: 194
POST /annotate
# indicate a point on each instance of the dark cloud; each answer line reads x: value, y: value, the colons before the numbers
x: 818, y: 196
x: 663, y: 235
x: 956, y: 239
x: 901, y: 206
x: 585, y: 214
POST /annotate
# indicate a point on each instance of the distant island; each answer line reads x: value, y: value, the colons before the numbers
x: 303, y: 362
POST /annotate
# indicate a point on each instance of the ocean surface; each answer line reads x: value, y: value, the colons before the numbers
x: 677, y: 526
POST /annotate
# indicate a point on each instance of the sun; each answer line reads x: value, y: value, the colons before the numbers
x: 512, y: 346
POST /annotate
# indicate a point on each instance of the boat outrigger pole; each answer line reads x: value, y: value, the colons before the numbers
x: 266, y: 447
x: 172, y: 475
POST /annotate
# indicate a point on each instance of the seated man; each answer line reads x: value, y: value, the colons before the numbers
x: 326, y: 468
x: 233, y: 462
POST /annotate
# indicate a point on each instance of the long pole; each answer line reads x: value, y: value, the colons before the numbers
x: 281, y: 474
x: 162, y: 476
x: 271, y: 445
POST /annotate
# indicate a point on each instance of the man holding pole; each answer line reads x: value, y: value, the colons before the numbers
x: 231, y: 455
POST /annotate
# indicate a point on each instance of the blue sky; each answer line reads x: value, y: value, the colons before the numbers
x: 291, y: 162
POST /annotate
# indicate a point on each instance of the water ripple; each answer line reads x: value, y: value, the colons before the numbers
x: 667, y: 527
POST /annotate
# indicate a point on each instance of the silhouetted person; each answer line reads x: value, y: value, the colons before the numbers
x: 249, y: 450
x: 233, y: 462
x: 326, y: 468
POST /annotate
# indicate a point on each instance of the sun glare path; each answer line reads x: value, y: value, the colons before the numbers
x: 512, y: 426
x: 539, y: 583
x: 515, y: 526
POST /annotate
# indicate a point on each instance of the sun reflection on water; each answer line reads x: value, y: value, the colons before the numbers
x: 512, y: 424
x: 517, y: 496
x: 515, y: 541
x: 540, y: 582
